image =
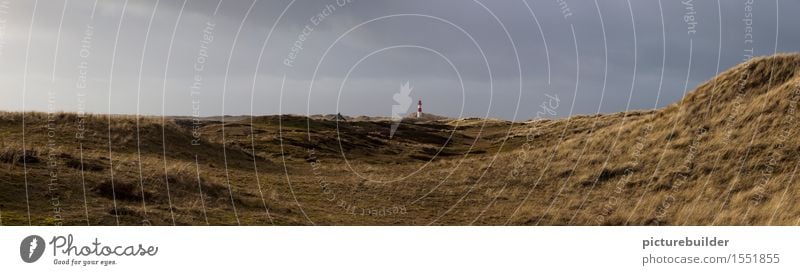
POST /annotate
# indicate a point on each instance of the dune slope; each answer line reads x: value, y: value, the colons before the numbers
x: 724, y: 155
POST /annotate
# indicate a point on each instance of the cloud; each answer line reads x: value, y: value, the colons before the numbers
x: 464, y: 32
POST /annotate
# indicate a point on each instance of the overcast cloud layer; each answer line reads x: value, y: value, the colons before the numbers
x: 463, y: 58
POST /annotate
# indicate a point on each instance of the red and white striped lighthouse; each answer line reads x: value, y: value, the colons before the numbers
x: 419, y: 109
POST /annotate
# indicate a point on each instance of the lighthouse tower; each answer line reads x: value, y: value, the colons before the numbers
x: 419, y: 109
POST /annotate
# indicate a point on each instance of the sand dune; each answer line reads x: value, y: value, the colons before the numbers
x: 724, y: 155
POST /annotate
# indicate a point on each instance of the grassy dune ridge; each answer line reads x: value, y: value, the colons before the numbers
x: 724, y: 155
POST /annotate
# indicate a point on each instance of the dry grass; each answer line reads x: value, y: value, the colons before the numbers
x: 725, y: 155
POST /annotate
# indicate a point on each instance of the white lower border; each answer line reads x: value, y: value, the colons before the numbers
x: 402, y: 250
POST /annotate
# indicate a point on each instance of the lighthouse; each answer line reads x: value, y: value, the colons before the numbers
x: 419, y: 108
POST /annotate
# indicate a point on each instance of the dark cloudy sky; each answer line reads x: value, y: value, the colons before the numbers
x: 463, y: 58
